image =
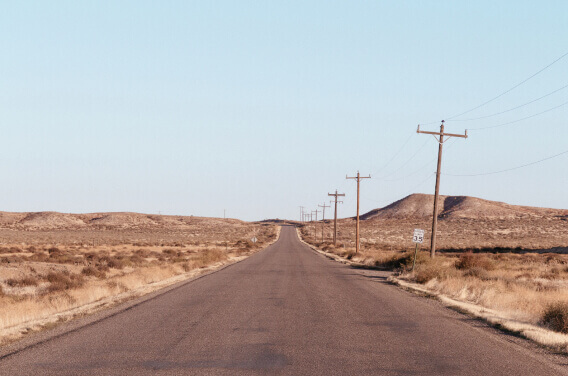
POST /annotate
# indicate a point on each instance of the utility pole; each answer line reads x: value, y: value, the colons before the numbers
x: 323, y: 218
x: 358, y: 178
x: 301, y: 213
x: 315, y: 224
x: 335, y: 215
x: 441, y: 141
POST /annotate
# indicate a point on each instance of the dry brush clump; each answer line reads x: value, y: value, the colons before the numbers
x: 555, y: 316
x: 25, y: 281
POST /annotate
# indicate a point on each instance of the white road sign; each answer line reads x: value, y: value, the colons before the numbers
x: 254, y: 239
x: 418, y: 236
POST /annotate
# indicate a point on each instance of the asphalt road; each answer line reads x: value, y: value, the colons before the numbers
x: 285, y: 311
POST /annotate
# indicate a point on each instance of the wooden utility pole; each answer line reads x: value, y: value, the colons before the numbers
x: 315, y: 224
x: 441, y: 141
x: 301, y: 213
x: 358, y: 178
x: 335, y: 215
x: 323, y: 218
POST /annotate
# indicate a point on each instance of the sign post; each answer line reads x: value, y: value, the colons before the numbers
x: 417, y: 238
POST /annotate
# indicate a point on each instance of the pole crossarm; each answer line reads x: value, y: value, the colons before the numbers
x: 448, y: 135
x: 323, y: 209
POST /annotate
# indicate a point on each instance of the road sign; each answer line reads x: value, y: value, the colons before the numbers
x: 418, y: 236
x: 254, y: 239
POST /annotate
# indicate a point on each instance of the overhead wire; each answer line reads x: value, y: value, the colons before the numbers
x: 513, y: 168
x: 394, y: 156
x: 514, y: 108
x: 405, y: 163
x: 509, y: 90
x: 410, y: 191
x: 421, y: 168
x: 453, y: 119
x: 518, y: 120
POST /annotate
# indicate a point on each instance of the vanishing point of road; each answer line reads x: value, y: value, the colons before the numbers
x: 283, y: 311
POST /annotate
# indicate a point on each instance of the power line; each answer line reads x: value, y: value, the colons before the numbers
x: 514, y: 108
x: 405, y: 163
x: 518, y: 120
x: 421, y: 168
x: 395, y: 154
x: 509, y: 90
x: 513, y: 168
x: 411, y: 190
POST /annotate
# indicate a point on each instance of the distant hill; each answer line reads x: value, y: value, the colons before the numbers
x: 453, y: 207
x: 118, y: 221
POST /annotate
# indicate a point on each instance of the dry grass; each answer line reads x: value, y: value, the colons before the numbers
x: 39, y: 282
x: 461, y: 234
x: 529, y: 287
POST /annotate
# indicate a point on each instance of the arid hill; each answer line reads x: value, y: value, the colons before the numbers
x: 39, y: 221
x: 456, y: 207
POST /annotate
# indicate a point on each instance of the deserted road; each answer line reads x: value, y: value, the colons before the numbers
x: 284, y: 311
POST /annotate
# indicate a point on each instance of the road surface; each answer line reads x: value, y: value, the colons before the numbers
x: 284, y: 311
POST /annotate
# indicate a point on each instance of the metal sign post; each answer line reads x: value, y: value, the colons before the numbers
x: 417, y: 238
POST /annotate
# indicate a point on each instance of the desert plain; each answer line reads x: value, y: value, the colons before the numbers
x: 506, y: 259
x: 57, y: 266
x: 510, y: 262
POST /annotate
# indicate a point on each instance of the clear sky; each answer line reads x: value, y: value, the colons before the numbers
x: 258, y: 107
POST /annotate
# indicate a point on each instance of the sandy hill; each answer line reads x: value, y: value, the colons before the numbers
x: 101, y: 221
x: 453, y: 207
x: 122, y: 220
x: 50, y: 220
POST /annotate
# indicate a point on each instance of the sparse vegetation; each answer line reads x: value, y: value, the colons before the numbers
x: 60, y: 270
x: 519, y: 284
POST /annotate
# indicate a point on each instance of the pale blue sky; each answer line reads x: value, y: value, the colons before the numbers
x: 257, y: 107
